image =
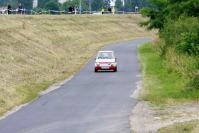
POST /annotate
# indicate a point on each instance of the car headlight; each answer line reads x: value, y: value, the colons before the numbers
x: 97, y: 64
x: 113, y: 64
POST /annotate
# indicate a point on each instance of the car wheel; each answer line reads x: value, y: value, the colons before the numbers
x: 96, y: 70
x: 115, y: 69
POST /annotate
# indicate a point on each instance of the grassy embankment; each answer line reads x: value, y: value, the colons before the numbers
x: 172, y: 77
x: 186, y: 127
x: 37, y: 51
x: 163, y: 85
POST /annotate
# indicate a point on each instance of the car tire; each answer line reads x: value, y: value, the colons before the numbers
x: 96, y: 70
x: 115, y: 69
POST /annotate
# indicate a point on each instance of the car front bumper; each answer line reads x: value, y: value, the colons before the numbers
x: 105, y: 67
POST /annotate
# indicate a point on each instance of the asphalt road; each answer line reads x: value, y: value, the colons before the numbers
x: 88, y: 103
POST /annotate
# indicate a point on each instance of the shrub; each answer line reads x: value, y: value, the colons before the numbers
x: 188, y: 43
x: 185, y: 65
x: 194, y: 83
x: 182, y: 34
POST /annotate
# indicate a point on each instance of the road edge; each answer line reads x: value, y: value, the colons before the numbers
x: 42, y: 93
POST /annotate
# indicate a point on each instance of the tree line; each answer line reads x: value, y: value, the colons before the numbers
x: 15, y: 3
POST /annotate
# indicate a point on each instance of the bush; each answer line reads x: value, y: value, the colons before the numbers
x: 179, y: 46
x: 185, y: 65
x: 178, y: 25
x: 188, y: 43
x: 194, y: 83
x: 182, y: 34
x: 52, y: 5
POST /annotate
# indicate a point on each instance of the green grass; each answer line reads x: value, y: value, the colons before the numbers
x: 185, y: 127
x: 160, y: 85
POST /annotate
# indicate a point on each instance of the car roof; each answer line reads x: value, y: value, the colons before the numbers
x: 105, y: 51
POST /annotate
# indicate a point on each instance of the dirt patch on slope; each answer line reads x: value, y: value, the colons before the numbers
x: 146, y: 118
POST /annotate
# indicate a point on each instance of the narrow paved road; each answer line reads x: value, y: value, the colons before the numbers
x: 89, y: 103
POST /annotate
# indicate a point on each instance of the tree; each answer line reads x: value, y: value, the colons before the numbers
x: 42, y: 3
x: 98, y: 5
x: 106, y: 4
x: 4, y: 2
x: 75, y: 3
x: 141, y: 3
x: 162, y: 11
x: 156, y: 13
x: 26, y: 3
x: 178, y: 24
x: 128, y: 6
x: 52, y: 5
x: 119, y: 5
x: 14, y: 3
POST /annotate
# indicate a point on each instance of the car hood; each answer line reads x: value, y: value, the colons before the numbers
x: 105, y: 60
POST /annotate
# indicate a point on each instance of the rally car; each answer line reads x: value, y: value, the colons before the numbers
x: 105, y: 60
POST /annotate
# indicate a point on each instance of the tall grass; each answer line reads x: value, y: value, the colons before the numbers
x: 184, y: 127
x: 162, y: 84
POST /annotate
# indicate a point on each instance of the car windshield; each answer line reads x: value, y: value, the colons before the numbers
x: 105, y: 55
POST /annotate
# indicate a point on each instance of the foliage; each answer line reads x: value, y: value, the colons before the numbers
x: 14, y: 3
x: 162, y: 85
x: 188, y: 43
x: 26, y: 3
x: 194, y: 83
x: 52, y: 5
x: 156, y: 14
x: 128, y: 7
x: 75, y: 3
x: 163, y: 11
x: 183, y: 34
x: 97, y: 5
x: 178, y: 25
x: 41, y: 3
x: 119, y: 5
x: 4, y: 2
x: 40, y: 10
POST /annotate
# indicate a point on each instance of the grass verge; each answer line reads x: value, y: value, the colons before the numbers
x: 160, y: 85
x: 37, y: 51
x: 185, y: 127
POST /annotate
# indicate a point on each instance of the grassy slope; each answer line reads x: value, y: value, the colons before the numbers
x: 186, y: 127
x: 162, y: 86
x: 36, y: 51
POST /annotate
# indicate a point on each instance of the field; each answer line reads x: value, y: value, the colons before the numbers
x: 37, y: 51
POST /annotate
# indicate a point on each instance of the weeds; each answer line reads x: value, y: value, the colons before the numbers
x: 162, y: 85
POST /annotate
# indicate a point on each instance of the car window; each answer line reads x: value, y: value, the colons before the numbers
x: 105, y: 55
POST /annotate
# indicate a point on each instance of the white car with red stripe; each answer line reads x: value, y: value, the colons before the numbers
x: 105, y: 60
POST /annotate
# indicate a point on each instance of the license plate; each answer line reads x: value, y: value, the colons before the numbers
x: 105, y: 67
